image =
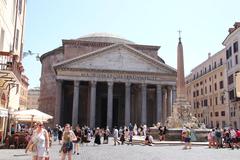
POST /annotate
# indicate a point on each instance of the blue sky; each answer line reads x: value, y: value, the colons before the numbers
x: 204, y: 26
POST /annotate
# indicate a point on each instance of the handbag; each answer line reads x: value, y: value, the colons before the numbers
x: 32, y: 147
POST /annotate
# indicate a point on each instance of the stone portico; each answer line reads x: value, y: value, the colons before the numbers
x: 113, y: 83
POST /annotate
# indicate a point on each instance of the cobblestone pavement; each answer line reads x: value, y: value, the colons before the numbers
x: 136, y: 152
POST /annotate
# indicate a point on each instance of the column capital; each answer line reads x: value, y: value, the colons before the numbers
x: 144, y: 85
x: 93, y: 83
x: 110, y: 84
x: 76, y: 83
x: 127, y: 84
x: 169, y: 87
x: 159, y: 86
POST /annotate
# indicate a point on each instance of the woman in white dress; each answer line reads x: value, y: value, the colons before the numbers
x: 40, y: 141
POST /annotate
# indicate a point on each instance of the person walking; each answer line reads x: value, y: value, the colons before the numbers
x: 60, y: 133
x: 67, y: 139
x: 39, y: 143
x: 78, y: 134
x: 115, y: 136
x: 187, y: 138
x: 97, y: 139
x: 218, y: 137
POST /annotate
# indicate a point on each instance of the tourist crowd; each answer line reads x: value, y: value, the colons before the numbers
x: 70, y: 138
x: 224, y: 138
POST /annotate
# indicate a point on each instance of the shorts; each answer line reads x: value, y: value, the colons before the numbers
x: 67, y: 147
x: 187, y: 140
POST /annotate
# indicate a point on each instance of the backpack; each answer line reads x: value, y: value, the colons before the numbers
x: 218, y: 134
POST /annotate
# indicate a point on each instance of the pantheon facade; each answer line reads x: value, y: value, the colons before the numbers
x: 103, y: 80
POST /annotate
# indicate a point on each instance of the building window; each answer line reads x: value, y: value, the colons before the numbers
x: 230, y: 79
x: 231, y: 94
x: 215, y: 76
x: 2, y: 39
x: 216, y: 114
x: 20, y: 7
x: 211, y: 114
x: 223, y: 113
x: 223, y: 124
x: 217, y: 124
x: 215, y: 64
x: 221, y: 84
x: 236, y: 59
x: 216, y: 100
x: 210, y: 68
x: 210, y: 101
x: 221, y: 61
x: 235, y: 47
x: 17, y: 39
x: 222, y: 99
x: 210, y: 88
x: 221, y: 73
x: 205, y: 102
x: 215, y: 86
x: 205, y: 90
x: 235, y: 124
x: 229, y: 52
x: 211, y: 124
x: 201, y: 91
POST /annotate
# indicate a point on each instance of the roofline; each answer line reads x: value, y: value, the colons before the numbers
x: 76, y: 41
x: 109, y: 47
x: 49, y: 53
x: 230, y: 35
x: 208, y: 59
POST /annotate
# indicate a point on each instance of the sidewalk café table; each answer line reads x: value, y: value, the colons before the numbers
x: 17, y: 140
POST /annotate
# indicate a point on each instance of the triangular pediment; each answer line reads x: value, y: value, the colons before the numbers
x: 118, y: 57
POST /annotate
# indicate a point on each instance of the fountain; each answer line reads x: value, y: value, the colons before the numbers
x: 181, y: 116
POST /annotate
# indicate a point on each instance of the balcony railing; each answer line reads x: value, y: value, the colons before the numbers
x: 8, y: 62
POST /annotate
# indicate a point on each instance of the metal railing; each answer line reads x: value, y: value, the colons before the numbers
x: 8, y: 62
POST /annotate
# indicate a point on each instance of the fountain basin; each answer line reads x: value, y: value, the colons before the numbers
x: 174, y: 134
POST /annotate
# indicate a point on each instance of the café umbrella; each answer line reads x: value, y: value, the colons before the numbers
x: 31, y: 115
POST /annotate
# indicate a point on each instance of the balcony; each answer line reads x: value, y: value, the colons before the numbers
x: 10, y: 69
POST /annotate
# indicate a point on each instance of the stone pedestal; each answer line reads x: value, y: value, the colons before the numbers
x: 181, y: 115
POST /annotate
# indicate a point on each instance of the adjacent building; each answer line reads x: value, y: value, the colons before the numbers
x: 23, y: 93
x: 103, y: 80
x: 12, y: 19
x: 207, y: 91
x: 232, y: 54
x: 33, y: 96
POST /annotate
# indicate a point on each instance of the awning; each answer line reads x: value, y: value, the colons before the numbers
x: 3, y: 112
x: 31, y: 115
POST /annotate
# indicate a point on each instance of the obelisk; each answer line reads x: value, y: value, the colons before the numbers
x: 181, y: 115
x: 181, y: 94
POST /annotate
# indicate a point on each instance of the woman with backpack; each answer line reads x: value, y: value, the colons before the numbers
x: 67, y: 139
